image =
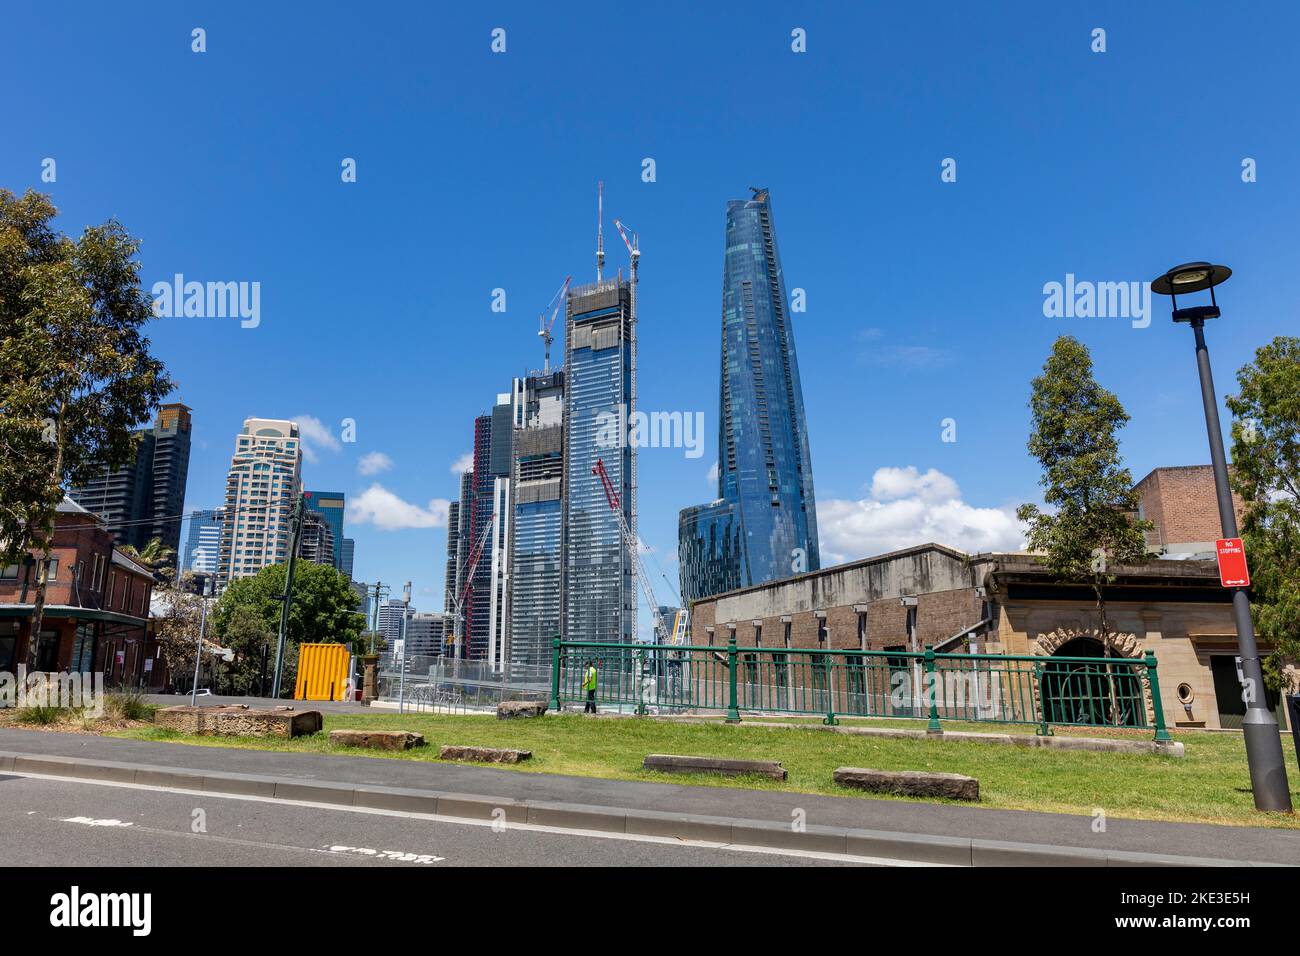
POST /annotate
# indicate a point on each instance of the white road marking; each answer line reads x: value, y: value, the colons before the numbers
x: 491, y: 824
x: 397, y: 855
x: 92, y: 822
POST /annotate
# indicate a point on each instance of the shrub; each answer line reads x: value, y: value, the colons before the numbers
x: 40, y: 714
x: 130, y: 705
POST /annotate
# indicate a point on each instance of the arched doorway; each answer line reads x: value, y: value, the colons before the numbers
x: 1081, y: 691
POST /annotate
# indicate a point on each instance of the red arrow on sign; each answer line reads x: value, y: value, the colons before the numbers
x: 1233, y: 572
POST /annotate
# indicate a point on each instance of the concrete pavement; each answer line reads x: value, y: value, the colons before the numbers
x: 775, y: 809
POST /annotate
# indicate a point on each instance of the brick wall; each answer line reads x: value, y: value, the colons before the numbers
x: 1182, y: 503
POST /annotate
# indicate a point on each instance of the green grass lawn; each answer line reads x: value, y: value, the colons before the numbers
x: 1209, y: 785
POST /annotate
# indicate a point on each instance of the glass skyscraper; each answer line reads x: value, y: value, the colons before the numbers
x: 763, y: 525
x: 599, y: 589
x: 330, y: 505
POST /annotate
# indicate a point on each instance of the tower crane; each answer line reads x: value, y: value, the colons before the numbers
x: 458, y: 608
x: 662, y: 636
x: 544, y: 331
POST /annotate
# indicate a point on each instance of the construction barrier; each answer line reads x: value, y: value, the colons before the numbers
x: 322, y: 672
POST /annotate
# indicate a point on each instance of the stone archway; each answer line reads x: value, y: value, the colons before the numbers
x: 1092, y: 694
x: 1121, y: 644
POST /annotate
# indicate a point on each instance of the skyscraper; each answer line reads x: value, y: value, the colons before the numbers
x: 598, y: 586
x: 330, y: 505
x: 316, y: 538
x: 536, y: 522
x: 348, y: 555
x: 203, y: 544
x: 261, y: 487
x: 145, y: 498
x: 170, y: 468
x: 763, y: 525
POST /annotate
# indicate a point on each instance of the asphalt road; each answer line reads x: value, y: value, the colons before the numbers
x: 55, y: 822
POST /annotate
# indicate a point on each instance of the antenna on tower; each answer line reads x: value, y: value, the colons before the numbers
x: 600, y: 229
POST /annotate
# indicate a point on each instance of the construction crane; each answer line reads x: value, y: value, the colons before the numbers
x: 600, y: 229
x: 629, y: 541
x: 634, y: 258
x: 544, y: 331
x: 458, y: 608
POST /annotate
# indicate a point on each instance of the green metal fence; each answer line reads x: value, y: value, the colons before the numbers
x: 992, y: 688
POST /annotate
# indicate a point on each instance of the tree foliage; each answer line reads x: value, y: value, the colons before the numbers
x: 76, y: 374
x: 323, y: 610
x: 1266, y: 475
x: 1088, y: 525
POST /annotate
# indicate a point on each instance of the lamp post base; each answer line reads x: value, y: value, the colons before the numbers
x: 1267, y: 763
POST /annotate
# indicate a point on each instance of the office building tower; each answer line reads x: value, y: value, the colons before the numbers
x: 330, y: 505
x: 425, y: 635
x: 763, y: 525
x: 536, y: 519
x: 348, y: 554
x: 599, y: 588
x: 262, y: 486
x: 391, y: 617
x: 145, y: 498
x: 169, y: 471
x: 203, y: 543
x: 316, y: 538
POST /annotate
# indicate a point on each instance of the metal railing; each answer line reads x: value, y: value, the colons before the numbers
x: 990, y: 688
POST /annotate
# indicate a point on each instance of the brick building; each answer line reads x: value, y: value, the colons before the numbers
x: 96, y: 606
x: 1001, y: 604
x: 1181, y: 502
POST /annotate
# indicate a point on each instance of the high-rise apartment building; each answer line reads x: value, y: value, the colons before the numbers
x: 316, y: 538
x: 171, y: 466
x: 763, y: 525
x: 536, y: 519
x: 264, y: 481
x: 203, y: 543
x: 145, y: 498
x: 599, y: 587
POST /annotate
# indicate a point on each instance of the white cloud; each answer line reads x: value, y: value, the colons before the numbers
x: 373, y: 462
x: 713, y: 474
x: 463, y: 464
x: 906, y: 507
x: 315, y: 434
x: 387, y: 512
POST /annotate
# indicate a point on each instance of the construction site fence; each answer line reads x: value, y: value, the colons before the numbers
x: 1040, y: 691
x: 449, y: 685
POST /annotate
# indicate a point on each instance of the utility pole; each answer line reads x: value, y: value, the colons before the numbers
x: 295, y: 532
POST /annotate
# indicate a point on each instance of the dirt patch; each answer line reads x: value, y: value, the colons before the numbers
x: 64, y: 724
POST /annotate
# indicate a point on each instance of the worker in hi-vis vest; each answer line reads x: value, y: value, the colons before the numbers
x: 589, y: 685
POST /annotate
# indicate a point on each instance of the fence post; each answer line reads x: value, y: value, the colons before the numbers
x: 932, y: 727
x: 1162, y: 733
x: 638, y: 675
x: 733, y: 710
x: 555, y: 674
x: 829, y: 671
x: 1041, y: 701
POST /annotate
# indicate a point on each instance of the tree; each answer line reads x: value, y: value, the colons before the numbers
x: 323, y: 610
x: 1266, y: 475
x: 76, y: 374
x: 177, y: 621
x: 252, y: 641
x: 156, y: 555
x: 1088, y: 491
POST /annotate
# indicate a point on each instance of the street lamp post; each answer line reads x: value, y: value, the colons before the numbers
x: 1259, y: 726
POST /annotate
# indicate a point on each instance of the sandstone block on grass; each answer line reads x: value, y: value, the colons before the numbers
x: 509, y: 709
x: 377, y: 739
x: 676, y: 763
x: 239, y: 721
x: 484, y: 754
x: 910, y: 783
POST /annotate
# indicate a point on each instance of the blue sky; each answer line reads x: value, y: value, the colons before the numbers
x: 477, y: 171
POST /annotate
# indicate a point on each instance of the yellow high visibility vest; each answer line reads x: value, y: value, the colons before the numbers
x: 589, y: 682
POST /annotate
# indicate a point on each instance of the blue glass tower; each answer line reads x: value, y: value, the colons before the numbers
x: 763, y: 526
x: 330, y: 505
